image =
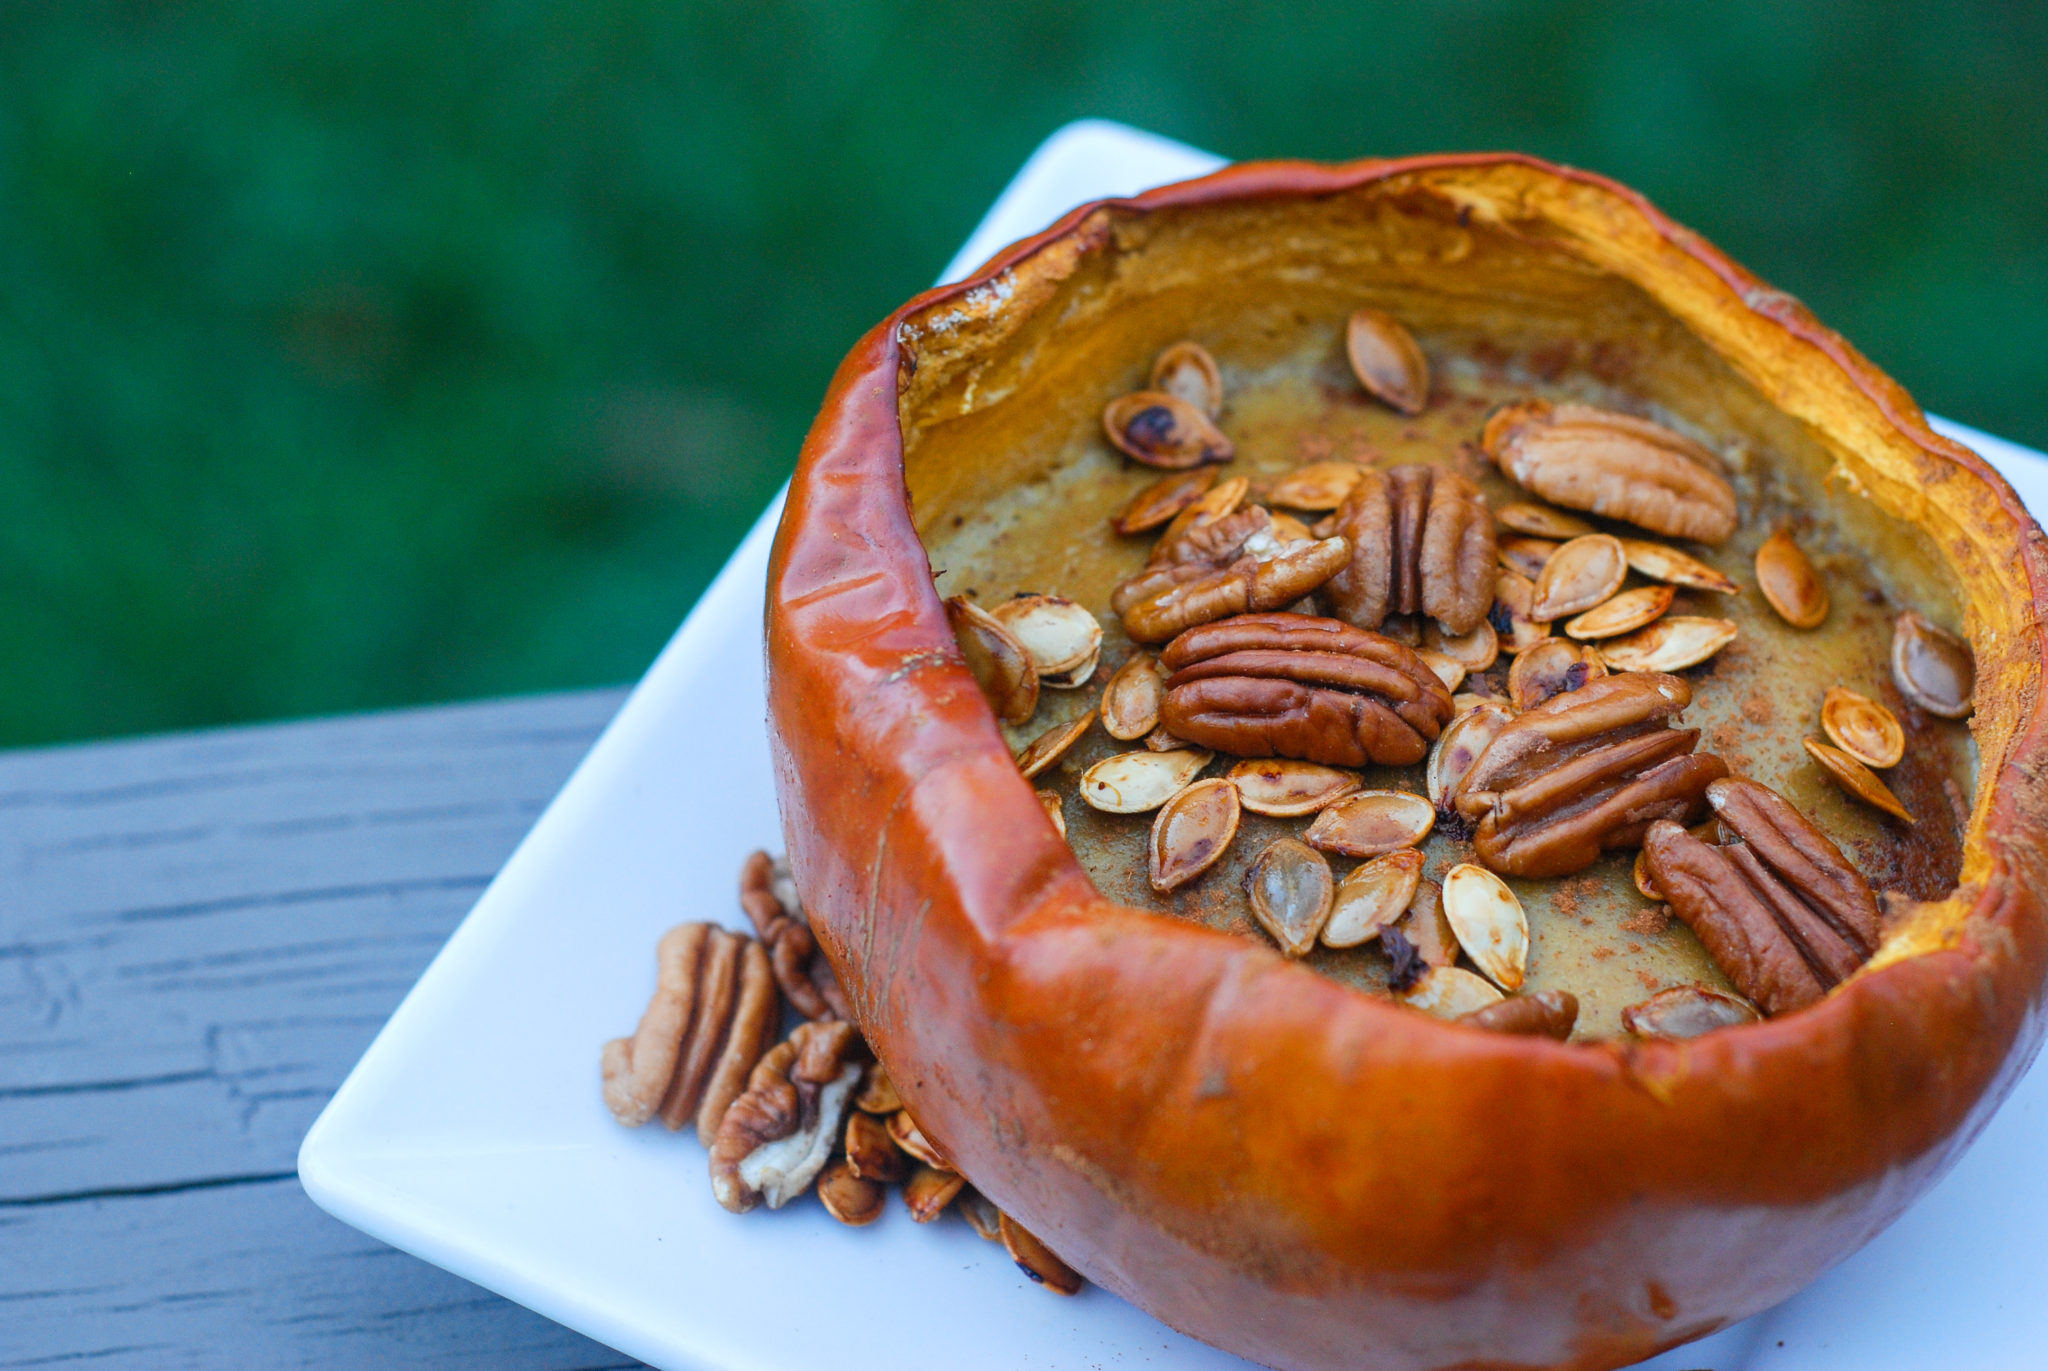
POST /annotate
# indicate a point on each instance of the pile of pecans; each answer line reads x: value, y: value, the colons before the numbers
x: 785, y: 1115
x: 1371, y: 636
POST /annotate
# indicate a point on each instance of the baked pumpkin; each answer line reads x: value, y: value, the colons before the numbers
x: 1262, y: 1152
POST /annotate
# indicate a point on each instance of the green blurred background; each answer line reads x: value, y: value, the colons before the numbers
x: 365, y: 354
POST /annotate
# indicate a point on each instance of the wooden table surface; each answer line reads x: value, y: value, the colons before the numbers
x: 199, y: 935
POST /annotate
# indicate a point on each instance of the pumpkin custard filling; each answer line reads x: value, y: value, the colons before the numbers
x: 1465, y: 675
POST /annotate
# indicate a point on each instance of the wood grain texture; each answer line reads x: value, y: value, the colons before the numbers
x: 199, y: 935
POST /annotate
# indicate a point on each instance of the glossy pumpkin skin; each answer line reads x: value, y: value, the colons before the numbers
x: 1268, y: 1160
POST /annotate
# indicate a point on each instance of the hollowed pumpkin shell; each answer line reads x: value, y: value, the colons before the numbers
x: 1160, y: 1103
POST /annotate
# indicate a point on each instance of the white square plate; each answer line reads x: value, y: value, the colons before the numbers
x: 472, y: 1133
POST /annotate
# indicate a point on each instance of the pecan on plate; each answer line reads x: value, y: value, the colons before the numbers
x: 1614, y: 465
x: 1779, y: 909
x: 1237, y: 564
x: 1422, y: 542
x: 1289, y: 685
x: 713, y: 1014
x: 777, y: 1137
x: 769, y: 896
x: 1585, y: 772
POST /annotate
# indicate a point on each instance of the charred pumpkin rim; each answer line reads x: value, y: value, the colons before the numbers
x: 1978, y: 954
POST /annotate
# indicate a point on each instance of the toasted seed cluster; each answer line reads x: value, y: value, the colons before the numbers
x: 1301, y: 654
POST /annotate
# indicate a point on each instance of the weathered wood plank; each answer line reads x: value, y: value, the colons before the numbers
x: 248, y: 1275
x: 205, y: 932
x: 198, y: 937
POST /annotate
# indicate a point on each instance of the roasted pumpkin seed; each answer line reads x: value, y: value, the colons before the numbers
x: 1673, y: 643
x: 1131, y: 700
x: 848, y: 1197
x: 1525, y: 556
x: 1159, y: 740
x: 1668, y: 564
x: 1187, y: 371
x: 1790, y: 581
x: 1036, y: 1260
x: 1932, y: 667
x: 1164, y: 430
x: 877, y: 1092
x: 1579, y: 575
x: 998, y: 662
x: 870, y: 1151
x: 1405, y: 629
x: 1386, y: 360
x: 1159, y: 502
x: 929, y: 1190
x: 981, y: 1214
x: 1856, y: 778
x: 1372, y: 898
x: 1372, y: 822
x: 1448, y: 670
x: 1459, y: 746
x: 1051, y: 745
x: 1138, y: 782
x: 1542, y: 521
x: 1218, y: 502
x: 905, y: 1133
x: 1450, y: 992
x: 1641, y: 873
x: 1063, y: 638
x: 1686, y: 1011
x: 1551, y: 668
x: 1513, y: 596
x: 1862, y: 727
x: 1055, y: 809
x: 1291, y: 892
x: 1285, y: 789
x: 1192, y: 833
x: 1489, y: 923
x: 1426, y: 928
x: 1288, y: 529
x: 1318, y: 486
x: 1623, y: 613
x: 1475, y: 651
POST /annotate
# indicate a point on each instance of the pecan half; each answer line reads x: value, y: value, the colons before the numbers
x: 1614, y: 465
x: 713, y: 1014
x: 1422, y: 542
x: 1288, y: 685
x: 777, y: 1137
x: 1583, y: 773
x: 769, y: 896
x: 1548, y: 1014
x: 1237, y: 564
x: 1779, y: 909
